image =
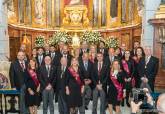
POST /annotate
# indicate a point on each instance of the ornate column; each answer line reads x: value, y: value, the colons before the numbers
x: 4, y: 38
x: 150, y: 7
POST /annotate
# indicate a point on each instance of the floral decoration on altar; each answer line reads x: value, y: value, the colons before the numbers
x: 40, y: 41
x: 111, y: 42
x: 60, y: 36
x: 91, y: 37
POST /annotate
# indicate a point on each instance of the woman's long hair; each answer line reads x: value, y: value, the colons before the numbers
x: 124, y: 54
x: 119, y: 67
x: 36, y: 66
x: 143, y: 53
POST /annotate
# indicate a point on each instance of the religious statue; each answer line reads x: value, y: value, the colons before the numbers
x: 114, y: 8
x: 28, y: 11
x: 124, y: 11
x: 10, y: 8
x: 76, y: 2
x: 39, y: 11
x: 131, y: 10
x: 140, y: 7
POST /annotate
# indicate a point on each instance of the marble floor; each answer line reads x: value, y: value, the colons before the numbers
x: 125, y: 110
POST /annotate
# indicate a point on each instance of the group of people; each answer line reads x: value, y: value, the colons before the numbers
x: 73, y: 80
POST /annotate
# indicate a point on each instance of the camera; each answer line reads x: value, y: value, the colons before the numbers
x: 139, y: 95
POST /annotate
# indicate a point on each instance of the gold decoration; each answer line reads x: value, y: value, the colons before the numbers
x: 25, y: 40
x: 75, y: 16
x: 160, y: 13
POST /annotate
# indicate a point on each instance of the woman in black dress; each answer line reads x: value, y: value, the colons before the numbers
x: 128, y: 67
x: 74, y: 87
x: 116, y: 84
x: 139, y: 59
x: 32, y: 96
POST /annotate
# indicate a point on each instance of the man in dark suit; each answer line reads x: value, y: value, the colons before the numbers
x: 84, y: 48
x: 54, y: 56
x: 149, y: 68
x: 40, y: 57
x: 60, y: 86
x: 86, y: 67
x: 65, y: 54
x: 46, y: 49
x: 123, y: 49
x: 102, y: 49
x: 17, y: 75
x: 99, y: 79
x: 47, y: 80
x: 23, y: 49
x: 60, y: 47
x: 111, y: 56
x: 135, y: 46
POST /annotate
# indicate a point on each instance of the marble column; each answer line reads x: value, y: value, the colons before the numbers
x: 4, y: 38
x: 150, y: 8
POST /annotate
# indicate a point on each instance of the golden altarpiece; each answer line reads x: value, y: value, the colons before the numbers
x: 30, y: 18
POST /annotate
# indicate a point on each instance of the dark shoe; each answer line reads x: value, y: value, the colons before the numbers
x: 86, y: 108
x: 128, y: 104
x: 122, y: 103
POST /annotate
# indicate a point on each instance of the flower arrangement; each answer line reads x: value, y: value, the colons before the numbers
x: 60, y: 36
x: 91, y: 37
x: 111, y: 42
x: 40, y: 41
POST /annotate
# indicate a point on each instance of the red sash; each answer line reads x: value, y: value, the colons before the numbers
x: 75, y: 75
x: 34, y: 77
x: 118, y: 86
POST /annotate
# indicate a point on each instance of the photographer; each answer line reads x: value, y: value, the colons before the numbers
x: 160, y: 104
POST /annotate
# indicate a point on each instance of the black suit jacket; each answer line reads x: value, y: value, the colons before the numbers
x: 43, y: 76
x: 56, y: 59
x: 86, y: 74
x: 151, y: 69
x: 43, y: 63
x: 103, y: 75
x: 69, y: 57
x: 17, y: 75
x: 60, y: 81
x: 133, y: 52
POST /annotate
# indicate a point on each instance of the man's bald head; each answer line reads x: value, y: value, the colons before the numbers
x: 20, y: 55
x: 161, y: 104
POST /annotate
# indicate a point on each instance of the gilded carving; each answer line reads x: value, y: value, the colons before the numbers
x: 76, y: 16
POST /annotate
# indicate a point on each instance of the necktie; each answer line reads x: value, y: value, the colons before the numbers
x: 110, y: 58
x: 22, y: 66
x: 147, y: 60
x: 63, y: 70
x: 52, y: 55
x: 86, y: 65
x: 48, y: 70
x: 99, y: 69
x: 40, y: 59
